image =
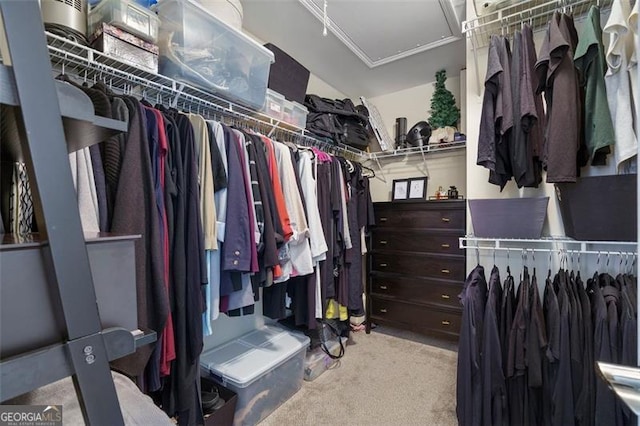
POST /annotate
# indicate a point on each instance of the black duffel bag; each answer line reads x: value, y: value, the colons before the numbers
x: 338, y: 119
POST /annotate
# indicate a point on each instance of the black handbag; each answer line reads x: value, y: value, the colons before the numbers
x: 330, y: 331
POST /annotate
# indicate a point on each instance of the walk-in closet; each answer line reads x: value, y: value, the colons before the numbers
x: 319, y: 212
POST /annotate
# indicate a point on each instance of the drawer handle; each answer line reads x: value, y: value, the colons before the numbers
x: 383, y: 265
x: 383, y: 310
x: 383, y: 287
x: 383, y: 219
x: 446, y: 219
x: 383, y: 242
x: 445, y: 322
x: 445, y: 271
x: 445, y: 245
x: 445, y: 296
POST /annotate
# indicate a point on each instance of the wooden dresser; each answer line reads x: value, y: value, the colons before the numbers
x: 416, y: 270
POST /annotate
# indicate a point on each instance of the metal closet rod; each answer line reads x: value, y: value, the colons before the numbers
x: 467, y: 243
x: 503, y: 21
x: 532, y: 11
x: 552, y: 250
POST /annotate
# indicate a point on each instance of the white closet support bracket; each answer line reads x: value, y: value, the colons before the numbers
x: 382, y: 177
x: 424, y: 161
x: 475, y: 63
x: 273, y: 128
x: 179, y: 90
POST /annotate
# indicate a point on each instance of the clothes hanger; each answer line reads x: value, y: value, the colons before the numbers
x: 508, y: 266
x: 533, y: 256
x: 370, y: 170
x: 549, y: 264
x: 477, y: 254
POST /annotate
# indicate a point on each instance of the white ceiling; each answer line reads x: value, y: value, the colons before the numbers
x: 373, y: 47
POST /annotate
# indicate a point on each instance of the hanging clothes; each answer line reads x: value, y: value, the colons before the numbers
x: 317, y: 240
x: 632, y: 24
x: 135, y: 213
x: 531, y: 112
x: 558, y: 80
x: 218, y: 148
x: 618, y: 86
x: 494, y: 390
x: 590, y: 62
x: 553, y: 409
x: 469, y: 382
x: 83, y: 180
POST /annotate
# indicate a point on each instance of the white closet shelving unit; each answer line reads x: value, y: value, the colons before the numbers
x: 560, y: 245
x: 87, y: 64
x: 506, y: 21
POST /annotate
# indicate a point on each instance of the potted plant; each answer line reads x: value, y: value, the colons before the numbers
x: 444, y: 112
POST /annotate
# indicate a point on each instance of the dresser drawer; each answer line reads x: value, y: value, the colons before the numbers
x: 399, y: 216
x: 420, y: 265
x: 435, y: 292
x: 417, y: 241
x: 415, y: 316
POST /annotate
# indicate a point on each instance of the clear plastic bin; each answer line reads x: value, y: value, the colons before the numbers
x: 200, y: 49
x: 264, y: 367
x: 126, y: 15
x: 318, y: 361
x: 274, y: 105
x: 295, y: 114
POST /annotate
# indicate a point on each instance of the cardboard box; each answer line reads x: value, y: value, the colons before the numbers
x: 125, y: 47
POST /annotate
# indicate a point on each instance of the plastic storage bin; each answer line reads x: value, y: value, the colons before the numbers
x: 274, y: 105
x: 318, y: 361
x: 127, y: 15
x: 264, y: 367
x: 508, y: 217
x: 295, y: 114
x: 200, y: 49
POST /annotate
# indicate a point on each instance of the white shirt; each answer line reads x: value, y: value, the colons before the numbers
x: 83, y: 180
x: 309, y: 190
x: 617, y: 81
x: 299, y: 248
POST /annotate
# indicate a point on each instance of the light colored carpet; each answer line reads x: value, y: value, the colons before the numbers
x: 382, y: 380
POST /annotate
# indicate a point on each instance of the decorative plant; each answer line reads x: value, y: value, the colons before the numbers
x: 444, y: 111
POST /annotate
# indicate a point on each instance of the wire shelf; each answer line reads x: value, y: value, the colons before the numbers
x: 548, y: 245
x: 425, y: 149
x: 86, y: 64
x: 535, y: 12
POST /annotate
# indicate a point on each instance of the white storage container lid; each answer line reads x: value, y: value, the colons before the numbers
x: 246, y: 359
x: 300, y: 107
x: 166, y: 10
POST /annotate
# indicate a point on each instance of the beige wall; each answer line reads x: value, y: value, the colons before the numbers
x: 443, y: 169
x: 319, y: 87
x: 413, y: 103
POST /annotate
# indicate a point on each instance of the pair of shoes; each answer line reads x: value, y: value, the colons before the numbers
x: 211, y: 400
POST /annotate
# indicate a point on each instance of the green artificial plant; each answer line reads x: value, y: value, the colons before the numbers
x: 444, y: 111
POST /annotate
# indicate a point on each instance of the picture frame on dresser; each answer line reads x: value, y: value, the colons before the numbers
x: 417, y: 188
x: 400, y: 190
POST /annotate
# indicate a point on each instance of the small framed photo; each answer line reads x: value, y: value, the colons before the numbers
x: 400, y: 190
x: 417, y: 188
